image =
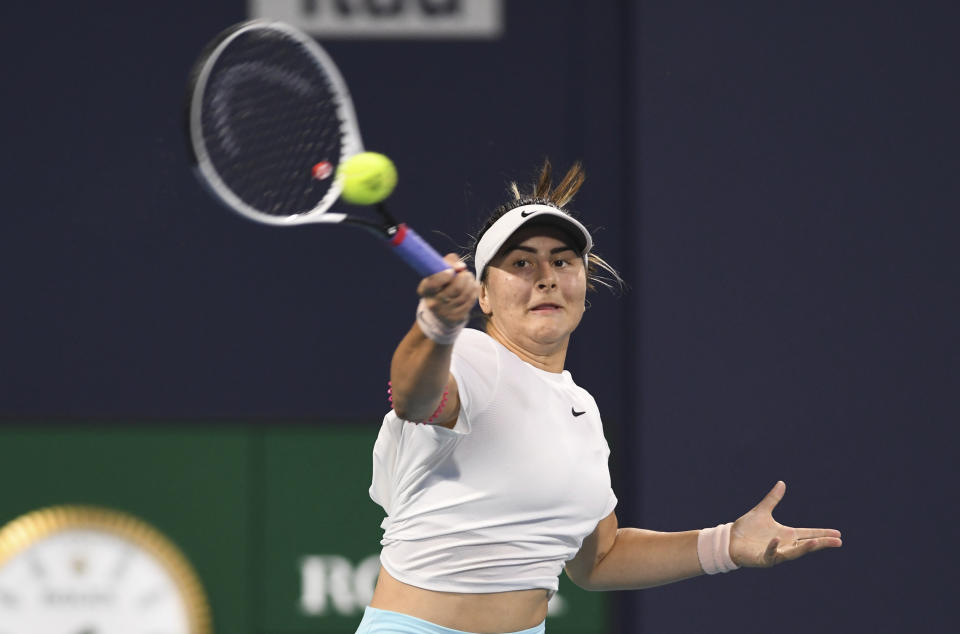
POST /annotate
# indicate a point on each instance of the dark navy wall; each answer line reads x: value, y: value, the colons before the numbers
x: 799, y: 303
x: 777, y: 182
x: 134, y: 295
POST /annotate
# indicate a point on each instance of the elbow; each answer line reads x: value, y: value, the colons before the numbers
x: 403, y: 408
x: 412, y: 404
x: 583, y: 576
x: 580, y: 582
x: 401, y: 412
x: 399, y: 397
x: 399, y: 404
x: 585, y: 582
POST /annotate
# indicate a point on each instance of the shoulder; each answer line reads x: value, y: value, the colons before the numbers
x: 572, y: 385
x: 472, y: 337
x: 475, y: 368
x: 474, y: 344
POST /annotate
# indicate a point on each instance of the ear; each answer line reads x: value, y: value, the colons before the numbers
x: 483, y: 300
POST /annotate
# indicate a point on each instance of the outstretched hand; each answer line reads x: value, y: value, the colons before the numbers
x: 759, y: 541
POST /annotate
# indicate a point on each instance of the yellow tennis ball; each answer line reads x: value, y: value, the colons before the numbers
x: 367, y: 178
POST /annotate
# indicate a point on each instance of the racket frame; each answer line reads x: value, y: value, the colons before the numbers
x: 352, y: 143
x: 404, y: 241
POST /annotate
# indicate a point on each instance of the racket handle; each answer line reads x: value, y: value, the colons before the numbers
x: 416, y: 252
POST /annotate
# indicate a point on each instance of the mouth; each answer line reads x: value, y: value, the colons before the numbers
x: 546, y: 307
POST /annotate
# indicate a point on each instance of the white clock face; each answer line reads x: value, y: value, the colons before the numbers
x: 88, y: 581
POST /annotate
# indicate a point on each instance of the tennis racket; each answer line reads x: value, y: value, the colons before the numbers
x: 269, y: 119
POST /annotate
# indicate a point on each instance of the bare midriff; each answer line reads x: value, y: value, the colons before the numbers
x: 487, y: 613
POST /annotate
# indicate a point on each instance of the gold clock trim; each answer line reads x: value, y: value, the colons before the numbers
x: 22, y: 532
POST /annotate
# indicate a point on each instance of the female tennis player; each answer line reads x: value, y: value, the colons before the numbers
x: 492, y: 464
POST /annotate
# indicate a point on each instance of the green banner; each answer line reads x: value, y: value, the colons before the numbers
x: 191, y: 484
x: 276, y: 521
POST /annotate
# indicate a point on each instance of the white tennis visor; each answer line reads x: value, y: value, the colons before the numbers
x: 508, y: 224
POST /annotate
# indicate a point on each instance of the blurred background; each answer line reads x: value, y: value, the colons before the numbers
x: 777, y: 181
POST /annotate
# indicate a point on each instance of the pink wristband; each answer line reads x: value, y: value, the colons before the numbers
x: 713, y: 549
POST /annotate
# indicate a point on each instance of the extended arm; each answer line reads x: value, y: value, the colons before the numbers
x: 420, y: 369
x: 613, y: 558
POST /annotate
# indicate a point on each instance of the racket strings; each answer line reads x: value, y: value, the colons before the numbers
x: 270, y: 113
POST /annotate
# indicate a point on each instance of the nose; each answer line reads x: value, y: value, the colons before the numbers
x: 548, y: 279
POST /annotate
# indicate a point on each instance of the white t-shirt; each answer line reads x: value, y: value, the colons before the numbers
x: 501, y: 501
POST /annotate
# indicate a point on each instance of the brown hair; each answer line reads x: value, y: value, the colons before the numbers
x: 599, y: 272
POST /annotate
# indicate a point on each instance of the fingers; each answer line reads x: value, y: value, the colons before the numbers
x: 450, y: 294
x: 770, y: 501
x: 801, y: 547
x: 759, y: 540
x: 434, y: 284
x: 813, y: 533
x: 778, y: 552
x: 770, y: 555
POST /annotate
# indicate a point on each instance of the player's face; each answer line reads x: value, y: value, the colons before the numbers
x: 535, y: 289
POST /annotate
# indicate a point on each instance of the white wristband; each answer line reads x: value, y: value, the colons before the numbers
x: 713, y: 549
x: 434, y: 328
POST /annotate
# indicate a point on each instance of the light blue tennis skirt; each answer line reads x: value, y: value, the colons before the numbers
x: 386, y: 622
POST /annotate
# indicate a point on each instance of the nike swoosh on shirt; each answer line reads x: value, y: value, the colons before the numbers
x: 576, y: 413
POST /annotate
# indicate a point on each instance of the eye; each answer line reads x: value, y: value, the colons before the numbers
x: 521, y: 263
x: 561, y: 262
